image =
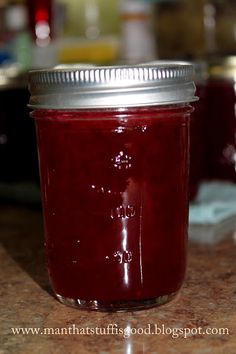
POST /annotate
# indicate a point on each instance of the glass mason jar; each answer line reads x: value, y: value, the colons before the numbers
x: 114, y: 152
x: 219, y: 126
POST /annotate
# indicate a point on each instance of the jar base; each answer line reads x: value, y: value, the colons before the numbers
x: 116, y: 306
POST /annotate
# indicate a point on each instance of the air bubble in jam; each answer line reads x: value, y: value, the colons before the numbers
x: 119, y: 130
x: 102, y: 190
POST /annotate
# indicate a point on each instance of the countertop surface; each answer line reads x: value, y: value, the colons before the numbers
x: 207, y: 300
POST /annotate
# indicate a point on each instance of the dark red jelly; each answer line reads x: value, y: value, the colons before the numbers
x: 197, y: 142
x: 115, y: 198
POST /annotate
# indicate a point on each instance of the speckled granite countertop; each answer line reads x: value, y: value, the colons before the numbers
x: 207, y: 300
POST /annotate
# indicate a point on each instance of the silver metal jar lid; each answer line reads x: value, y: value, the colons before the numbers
x: 87, y: 86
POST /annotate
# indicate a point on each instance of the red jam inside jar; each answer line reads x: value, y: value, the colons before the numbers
x: 197, y: 171
x: 115, y: 197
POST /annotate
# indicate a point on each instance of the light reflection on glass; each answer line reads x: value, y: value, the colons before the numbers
x: 124, y: 241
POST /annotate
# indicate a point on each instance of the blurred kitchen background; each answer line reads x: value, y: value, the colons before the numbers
x: 44, y: 33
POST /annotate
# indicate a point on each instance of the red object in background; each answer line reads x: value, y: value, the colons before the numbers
x: 115, y: 198
x: 40, y: 14
x: 220, y: 129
